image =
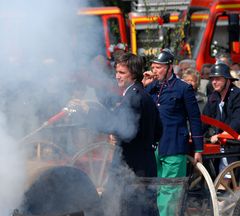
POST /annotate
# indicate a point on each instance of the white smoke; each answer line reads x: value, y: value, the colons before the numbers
x: 44, y: 45
x: 40, y: 48
x: 12, y: 171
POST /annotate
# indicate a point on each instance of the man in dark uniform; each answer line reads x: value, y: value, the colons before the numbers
x: 177, y: 105
x: 224, y: 105
x: 137, y: 127
x: 138, y: 115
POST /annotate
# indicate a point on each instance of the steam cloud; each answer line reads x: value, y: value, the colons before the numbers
x: 12, y: 171
x: 41, y: 46
x: 44, y: 46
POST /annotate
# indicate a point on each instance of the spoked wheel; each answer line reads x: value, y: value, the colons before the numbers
x: 201, y: 198
x: 43, y: 155
x: 94, y: 160
x: 45, y: 150
x: 236, y: 211
x: 227, y: 185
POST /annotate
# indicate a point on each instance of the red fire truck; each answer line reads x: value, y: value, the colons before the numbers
x: 217, y: 31
x: 113, y: 23
x: 207, y: 27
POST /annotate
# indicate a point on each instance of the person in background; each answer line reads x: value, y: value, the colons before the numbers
x: 205, y: 71
x: 235, y: 67
x: 205, y: 85
x: 192, y: 76
x: 184, y: 65
x: 225, y: 58
x: 235, y: 72
x: 177, y: 106
x: 224, y: 105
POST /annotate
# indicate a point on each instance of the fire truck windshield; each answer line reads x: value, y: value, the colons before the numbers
x: 196, y: 29
x: 89, y: 36
x: 148, y: 40
x: 151, y: 38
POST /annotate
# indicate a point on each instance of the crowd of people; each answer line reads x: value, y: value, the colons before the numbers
x: 180, y: 96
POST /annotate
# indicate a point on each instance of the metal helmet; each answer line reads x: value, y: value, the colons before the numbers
x: 166, y: 56
x: 220, y: 69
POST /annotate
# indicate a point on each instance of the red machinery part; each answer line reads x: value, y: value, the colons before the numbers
x: 57, y: 117
x: 219, y: 124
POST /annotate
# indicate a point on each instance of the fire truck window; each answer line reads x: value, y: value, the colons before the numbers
x: 89, y: 39
x: 220, y: 40
x: 149, y: 41
x: 152, y: 38
x: 197, y: 27
x: 114, y: 33
x: 234, y: 32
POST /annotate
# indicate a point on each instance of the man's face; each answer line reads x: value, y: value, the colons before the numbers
x: 159, y: 71
x: 123, y: 76
x: 218, y: 83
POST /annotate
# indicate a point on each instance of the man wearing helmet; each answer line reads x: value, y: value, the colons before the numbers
x: 224, y: 105
x: 177, y: 105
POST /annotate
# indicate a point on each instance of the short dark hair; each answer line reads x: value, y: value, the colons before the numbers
x: 134, y: 63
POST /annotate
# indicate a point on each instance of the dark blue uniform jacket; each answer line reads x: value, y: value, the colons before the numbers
x: 138, y: 127
x: 177, y: 105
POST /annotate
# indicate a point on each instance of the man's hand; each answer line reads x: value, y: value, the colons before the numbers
x: 148, y: 77
x: 197, y: 157
x: 112, y: 139
x: 214, y: 138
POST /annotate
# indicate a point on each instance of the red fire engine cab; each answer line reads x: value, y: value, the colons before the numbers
x: 113, y: 23
x: 215, y: 31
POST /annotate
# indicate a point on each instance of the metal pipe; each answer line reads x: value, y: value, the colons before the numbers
x: 65, y: 111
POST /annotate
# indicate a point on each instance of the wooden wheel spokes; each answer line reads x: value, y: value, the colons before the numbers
x: 195, y: 182
x: 202, y: 199
x: 228, y: 188
x: 230, y: 184
x: 106, y: 155
x: 46, y: 150
x: 94, y: 159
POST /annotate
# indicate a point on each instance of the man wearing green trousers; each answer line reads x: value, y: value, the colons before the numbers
x: 178, y: 107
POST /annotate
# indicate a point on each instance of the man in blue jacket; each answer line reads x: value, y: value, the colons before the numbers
x: 178, y: 108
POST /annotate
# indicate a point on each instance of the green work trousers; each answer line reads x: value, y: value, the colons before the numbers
x: 169, y: 195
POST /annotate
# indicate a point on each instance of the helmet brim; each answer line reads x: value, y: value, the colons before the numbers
x: 158, y: 62
x: 231, y: 78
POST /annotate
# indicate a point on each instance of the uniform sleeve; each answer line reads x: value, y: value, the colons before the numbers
x: 193, y: 114
x: 208, y: 131
x: 235, y: 113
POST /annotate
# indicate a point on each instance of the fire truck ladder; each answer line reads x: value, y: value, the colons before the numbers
x: 153, y: 6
